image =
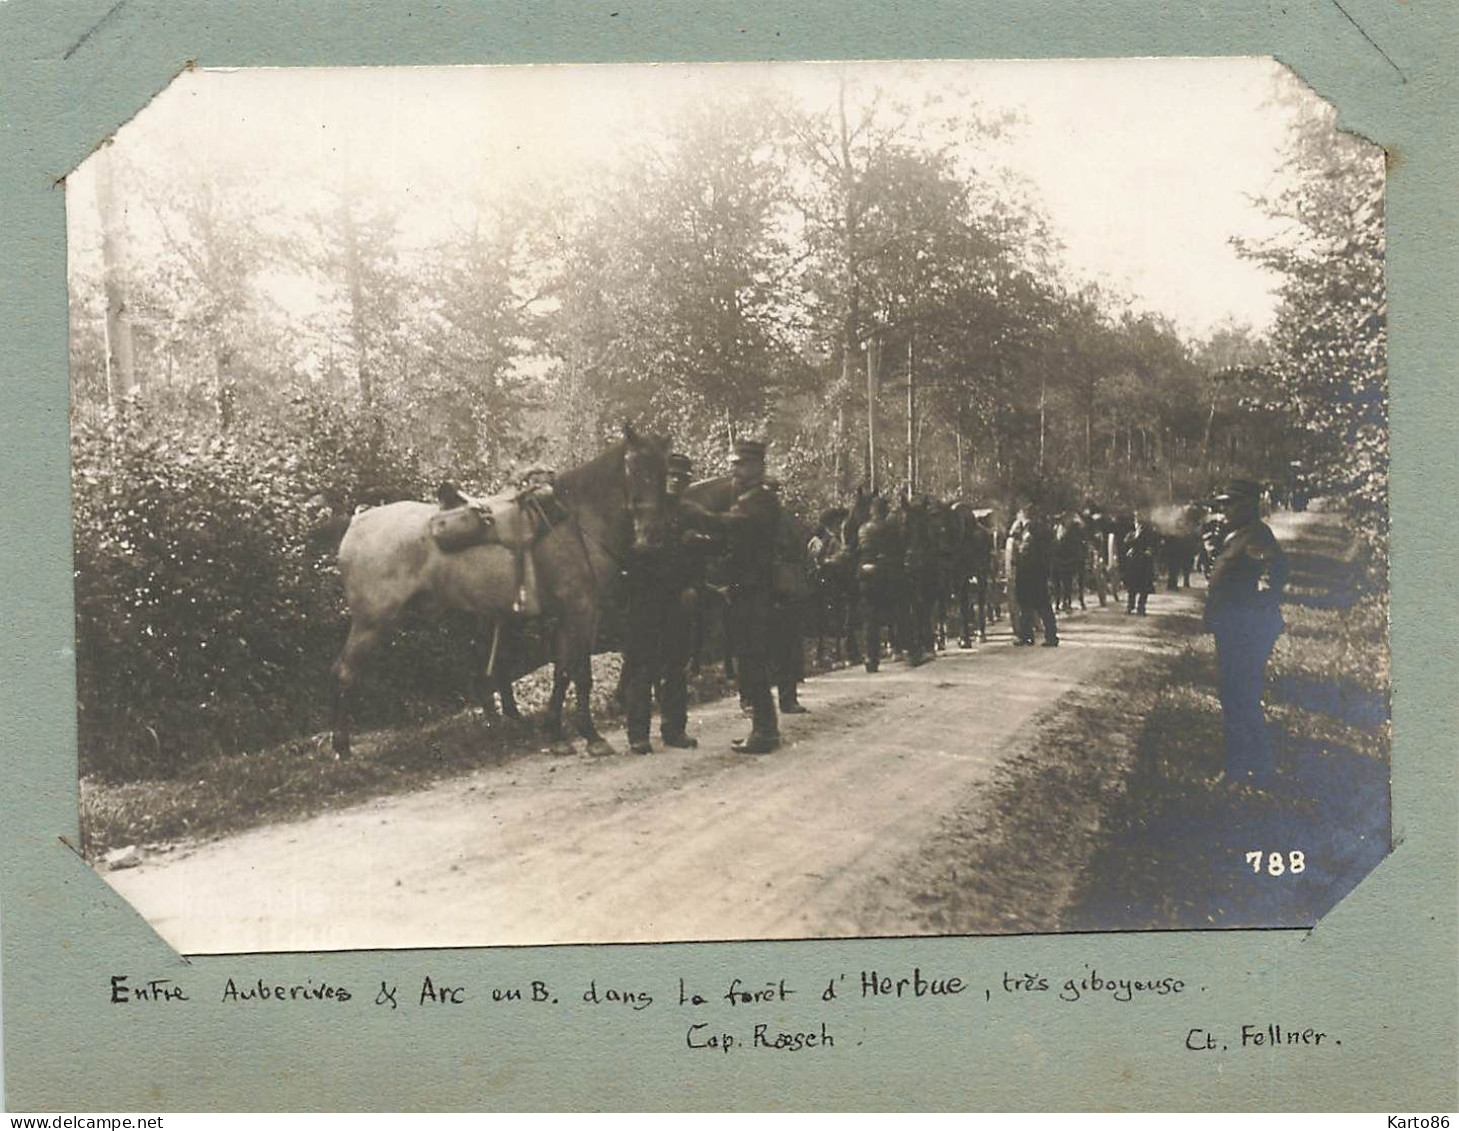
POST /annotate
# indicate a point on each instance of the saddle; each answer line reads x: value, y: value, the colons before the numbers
x: 513, y: 519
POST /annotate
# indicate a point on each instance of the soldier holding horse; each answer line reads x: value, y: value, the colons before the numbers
x: 662, y: 588
x: 745, y: 514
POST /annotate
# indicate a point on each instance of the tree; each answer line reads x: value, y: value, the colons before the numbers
x: 667, y: 296
x: 1328, y: 365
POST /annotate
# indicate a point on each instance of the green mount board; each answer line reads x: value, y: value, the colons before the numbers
x: 1378, y: 973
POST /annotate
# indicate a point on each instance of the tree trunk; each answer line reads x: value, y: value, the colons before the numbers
x: 958, y: 438
x: 1206, y: 439
x: 121, y: 372
x: 840, y: 457
x: 873, y: 350
x: 1043, y: 391
x: 223, y: 392
x: 911, y: 421
x: 851, y: 323
x: 354, y: 270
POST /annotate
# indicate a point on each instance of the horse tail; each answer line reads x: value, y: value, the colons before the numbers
x: 324, y: 540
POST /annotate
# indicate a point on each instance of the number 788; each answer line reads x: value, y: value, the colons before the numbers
x: 1277, y: 863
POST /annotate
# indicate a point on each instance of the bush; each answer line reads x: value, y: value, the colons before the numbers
x: 208, y: 610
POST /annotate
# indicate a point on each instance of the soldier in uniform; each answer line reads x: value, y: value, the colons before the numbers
x: 749, y: 527
x: 1243, y: 612
x: 919, y: 565
x: 879, y: 578
x: 790, y: 592
x: 662, y: 587
x: 1140, y: 547
x: 1031, y: 558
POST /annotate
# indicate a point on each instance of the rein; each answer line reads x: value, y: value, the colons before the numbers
x: 571, y: 513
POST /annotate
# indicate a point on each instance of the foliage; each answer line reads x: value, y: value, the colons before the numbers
x: 207, y: 610
x: 1327, y: 371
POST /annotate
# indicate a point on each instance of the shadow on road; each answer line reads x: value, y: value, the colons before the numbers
x: 1183, y: 849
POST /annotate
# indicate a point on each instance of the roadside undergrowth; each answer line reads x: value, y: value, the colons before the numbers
x: 1173, y: 850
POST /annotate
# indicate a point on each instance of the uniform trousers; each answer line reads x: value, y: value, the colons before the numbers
x: 1034, y: 602
x: 750, y: 612
x: 657, y: 653
x: 789, y: 656
x: 1244, y: 643
x: 879, y: 607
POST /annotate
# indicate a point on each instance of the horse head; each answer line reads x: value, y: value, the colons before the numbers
x: 645, y: 476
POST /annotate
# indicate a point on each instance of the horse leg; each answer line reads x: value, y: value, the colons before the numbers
x: 727, y: 638
x: 505, y: 664
x: 481, y: 687
x: 553, y: 723
x: 363, y: 641
x: 583, y: 687
x: 851, y: 626
x: 823, y: 617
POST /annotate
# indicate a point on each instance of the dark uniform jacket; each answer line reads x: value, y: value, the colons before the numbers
x: 749, y: 532
x: 1248, y: 555
x: 1139, y: 548
x: 1031, y: 552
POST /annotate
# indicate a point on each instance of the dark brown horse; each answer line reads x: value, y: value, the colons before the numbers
x: 833, y: 575
x: 1068, y: 562
x: 604, y: 508
x: 974, y: 570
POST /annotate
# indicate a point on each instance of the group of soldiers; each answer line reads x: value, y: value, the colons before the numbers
x: 742, y: 548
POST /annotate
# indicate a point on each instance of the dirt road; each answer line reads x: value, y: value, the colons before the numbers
x: 682, y: 845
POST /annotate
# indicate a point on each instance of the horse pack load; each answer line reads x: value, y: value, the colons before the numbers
x: 460, y: 527
x: 514, y: 519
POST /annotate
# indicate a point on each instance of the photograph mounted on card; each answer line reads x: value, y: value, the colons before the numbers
x: 950, y: 498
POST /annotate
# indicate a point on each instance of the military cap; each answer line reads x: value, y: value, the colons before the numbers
x: 1239, y: 491
x: 680, y: 464
x: 749, y: 450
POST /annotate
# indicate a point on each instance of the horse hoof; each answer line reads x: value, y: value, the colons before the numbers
x: 341, y: 749
x: 560, y: 748
x: 601, y: 748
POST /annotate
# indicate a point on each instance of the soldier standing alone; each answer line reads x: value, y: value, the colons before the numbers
x: 1243, y: 611
x: 1139, y: 565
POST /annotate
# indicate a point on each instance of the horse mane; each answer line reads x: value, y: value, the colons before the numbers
x: 588, y: 480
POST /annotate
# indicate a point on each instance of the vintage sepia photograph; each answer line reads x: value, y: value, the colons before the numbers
x: 567, y: 504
